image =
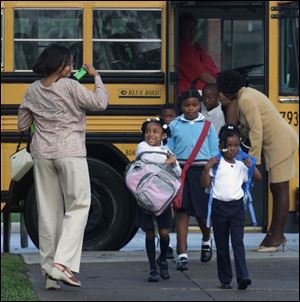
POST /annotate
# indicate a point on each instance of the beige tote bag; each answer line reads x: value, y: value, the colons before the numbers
x: 21, y: 161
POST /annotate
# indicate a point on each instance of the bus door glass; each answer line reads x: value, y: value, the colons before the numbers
x: 127, y: 40
x: 243, y: 45
x: 233, y: 35
x: 289, y: 50
x: 35, y: 29
x: 2, y: 38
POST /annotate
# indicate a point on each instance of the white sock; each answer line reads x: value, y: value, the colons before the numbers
x: 206, y: 242
x: 182, y: 255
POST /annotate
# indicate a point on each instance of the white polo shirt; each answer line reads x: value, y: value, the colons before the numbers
x: 227, y: 184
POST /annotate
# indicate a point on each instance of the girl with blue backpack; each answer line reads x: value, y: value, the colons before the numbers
x: 151, y: 150
x: 226, y: 175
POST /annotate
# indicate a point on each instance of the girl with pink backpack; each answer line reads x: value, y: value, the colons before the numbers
x: 152, y: 151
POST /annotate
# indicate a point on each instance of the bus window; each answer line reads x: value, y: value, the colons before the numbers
x: 35, y: 29
x: 243, y: 44
x: 289, y: 56
x: 233, y: 44
x: 208, y: 35
x: 127, y: 40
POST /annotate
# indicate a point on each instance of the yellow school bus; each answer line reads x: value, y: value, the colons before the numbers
x: 134, y: 46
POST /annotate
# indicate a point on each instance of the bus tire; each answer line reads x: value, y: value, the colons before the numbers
x: 110, y: 223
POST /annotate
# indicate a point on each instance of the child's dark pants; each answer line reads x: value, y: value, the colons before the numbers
x: 229, y: 218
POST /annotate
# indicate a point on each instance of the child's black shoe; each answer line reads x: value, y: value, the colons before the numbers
x: 153, y: 276
x: 225, y: 286
x: 170, y: 253
x: 244, y: 283
x: 163, y: 269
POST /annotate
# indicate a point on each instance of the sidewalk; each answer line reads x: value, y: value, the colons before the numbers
x: 121, y: 276
x: 251, y: 241
x: 116, y: 276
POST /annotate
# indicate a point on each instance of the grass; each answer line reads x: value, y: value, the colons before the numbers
x: 14, y: 283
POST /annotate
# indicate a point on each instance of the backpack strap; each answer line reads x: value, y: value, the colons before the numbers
x: 210, y: 200
x: 248, y: 201
x: 242, y: 156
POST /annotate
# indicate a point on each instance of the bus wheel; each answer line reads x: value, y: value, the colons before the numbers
x: 111, y: 217
x: 31, y: 216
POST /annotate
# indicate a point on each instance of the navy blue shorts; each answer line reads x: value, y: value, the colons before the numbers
x: 195, y: 200
x: 145, y: 222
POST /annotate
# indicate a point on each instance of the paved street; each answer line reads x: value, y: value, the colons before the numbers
x: 274, y: 279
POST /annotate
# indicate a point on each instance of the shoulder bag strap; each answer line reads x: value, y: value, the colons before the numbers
x: 193, y: 155
x: 28, y: 141
x: 20, y: 140
x: 197, y: 147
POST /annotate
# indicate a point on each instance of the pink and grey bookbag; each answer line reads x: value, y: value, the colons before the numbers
x: 153, y: 185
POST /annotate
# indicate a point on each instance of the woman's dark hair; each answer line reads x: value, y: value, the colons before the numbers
x: 230, y: 81
x: 157, y: 121
x: 52, y: 58
x: 228, y: 130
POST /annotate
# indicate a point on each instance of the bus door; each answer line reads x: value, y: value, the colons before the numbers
x: 284, y: 78
x: 233, y: 34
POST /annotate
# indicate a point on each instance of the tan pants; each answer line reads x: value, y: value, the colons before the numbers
x: 63, y: 199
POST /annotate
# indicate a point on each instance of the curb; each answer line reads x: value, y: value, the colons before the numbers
x: 140, y: 256
x: 15, y: 227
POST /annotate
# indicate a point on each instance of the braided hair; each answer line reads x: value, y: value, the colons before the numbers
x: 159, y: 122
x: 191, y: 93
x: 228, y: 130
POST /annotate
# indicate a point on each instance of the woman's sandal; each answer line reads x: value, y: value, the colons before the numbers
x: 271, y: 248
x: 63, y: 274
